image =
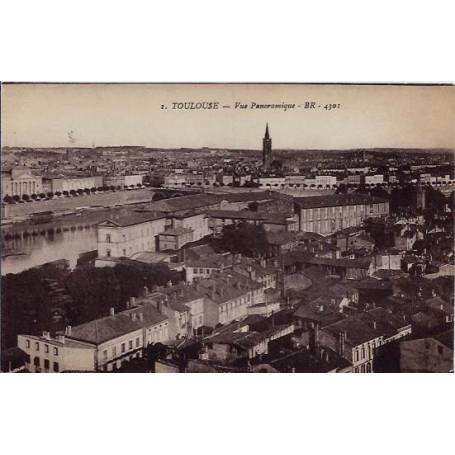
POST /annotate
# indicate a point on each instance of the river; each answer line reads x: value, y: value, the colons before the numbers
x: 39, y: 249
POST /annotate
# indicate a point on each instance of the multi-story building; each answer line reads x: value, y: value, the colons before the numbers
x: 45, y: 354
x: 374, y: 179
x: 328, y: 214
x: 128, y: 233
x: 183, y: 229
x: 123, y: 180
x: 73, y: 183
x: 272, y: 183
x: 99, y: 345
x: 326, y: 180
x: 356, y: 338
x: 20, y: 181
x: 217, y: 219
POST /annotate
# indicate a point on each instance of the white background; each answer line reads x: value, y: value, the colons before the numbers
x: 260, y: 41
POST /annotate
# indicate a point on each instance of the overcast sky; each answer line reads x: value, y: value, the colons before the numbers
x: 96, y: 115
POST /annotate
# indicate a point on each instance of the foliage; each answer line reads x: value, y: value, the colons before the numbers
x: 244, y: 238
x: 27, y: 304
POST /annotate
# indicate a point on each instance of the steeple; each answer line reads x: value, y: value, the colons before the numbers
x: 266, y: 149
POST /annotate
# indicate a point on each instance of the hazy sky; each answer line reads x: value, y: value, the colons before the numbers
x: 96, y: 114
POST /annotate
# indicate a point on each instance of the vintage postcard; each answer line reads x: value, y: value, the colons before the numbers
x: 227, y: 228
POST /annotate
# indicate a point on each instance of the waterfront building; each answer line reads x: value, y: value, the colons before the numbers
x: 20, y: 181
x: 217, y: 219
x: 73, y: 183
x: 128, y: 233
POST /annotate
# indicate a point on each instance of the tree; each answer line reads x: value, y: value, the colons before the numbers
x: 50, y: 194
x: 16, y: 198
x: 8, y: 199
x: 87, y: 191
x: 25, y: 197
x: 93, y: 190
x: 34, y: 196
x: 42, y: 195
x: 342, y: 189
x: 247, y: 239
x: 80, y: 191
x: 73, y: 192
x: 65, y: 193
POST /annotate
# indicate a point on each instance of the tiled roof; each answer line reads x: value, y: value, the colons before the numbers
x: 446, y: 338
x: 247, y: 215
x: 125, y: 217
x: 436, y: 303
x: 334, y: 200
x: 189, y: 202
x: 100, y: 330
x: 177, y: 231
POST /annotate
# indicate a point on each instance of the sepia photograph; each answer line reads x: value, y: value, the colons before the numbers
x: 227, y: 228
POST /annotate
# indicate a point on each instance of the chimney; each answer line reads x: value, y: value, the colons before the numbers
x: 141, y: 317
x: 61, y: 338
x: 133, y: 301
x: 133, y: 316
x: 47, y: 335
x: 159, y: 306
x: 145, y: 291
x: 333, y: 301
x: 321, y: 308
x: 169, y: 284
x: 68, y: 330
x: 112, y: 311
x: 374, y: 325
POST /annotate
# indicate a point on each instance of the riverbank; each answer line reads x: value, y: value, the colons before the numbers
x: 17, y: 213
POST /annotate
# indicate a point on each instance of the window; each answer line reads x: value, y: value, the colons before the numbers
x: 36, y: 346
x: 440, y: 350
x: 56, y: 367
x: 27, y: 343
x: 108, y: 253
x: 46, y: 364
x: 123, y: 347
x: 36, y: 362
x: 137, y: 342
x: 114, y: 351
x: 46, y: 348
x: 105, y: 354
x: 363, y: 352
x: 55, y: 351
x: 130, y: 344
x: 108, y: 238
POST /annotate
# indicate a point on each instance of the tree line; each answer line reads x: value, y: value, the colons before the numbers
x: 48, y: 298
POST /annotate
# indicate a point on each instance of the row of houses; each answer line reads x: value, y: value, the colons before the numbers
x: 21, y: 180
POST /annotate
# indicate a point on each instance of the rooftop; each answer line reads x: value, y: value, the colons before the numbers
x: 334, y: 200
x: 125, y: 217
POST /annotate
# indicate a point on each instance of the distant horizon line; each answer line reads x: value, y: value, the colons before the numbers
x: 60, y: 147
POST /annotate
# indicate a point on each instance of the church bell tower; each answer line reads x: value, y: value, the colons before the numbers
x: 266, y: 149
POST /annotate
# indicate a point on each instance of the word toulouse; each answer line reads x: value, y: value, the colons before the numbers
x: 197, y: 105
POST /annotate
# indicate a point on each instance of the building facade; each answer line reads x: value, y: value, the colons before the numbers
x: 20, y: 181
x: 327, y: 214
x: 128, y: 234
